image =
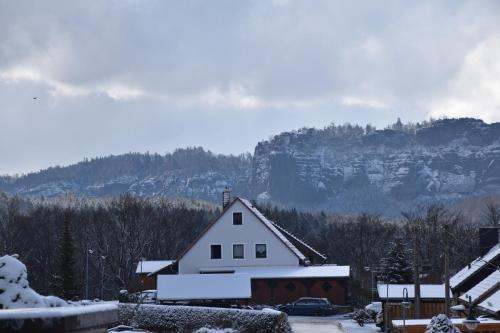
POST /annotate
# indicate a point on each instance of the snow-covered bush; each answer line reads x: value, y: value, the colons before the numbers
x: 441, y: 324
x: 214, y: 330
x: 170, y: 318
x: 15, y: 292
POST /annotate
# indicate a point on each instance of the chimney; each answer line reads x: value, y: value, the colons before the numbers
x: 488, y: 237
x: 226, y: 197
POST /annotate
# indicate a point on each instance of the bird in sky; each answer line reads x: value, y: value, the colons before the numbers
x: 35, y: 97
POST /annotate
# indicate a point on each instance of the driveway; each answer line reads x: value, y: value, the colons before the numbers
x: 332, y: 324
x: 314, y: 324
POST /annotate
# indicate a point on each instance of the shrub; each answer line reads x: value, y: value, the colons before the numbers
x: 180, y: 319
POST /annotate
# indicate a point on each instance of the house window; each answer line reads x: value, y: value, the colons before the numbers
x: 260, y: 251
x: 238, y: 251
x: 237, y: 218
x: 216, y: 251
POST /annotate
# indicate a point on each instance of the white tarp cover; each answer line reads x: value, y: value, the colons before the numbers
x: 203, y: 286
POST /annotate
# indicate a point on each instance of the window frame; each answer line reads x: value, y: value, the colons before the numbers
x: 243, y: 248
x: 255, y: 253
x: 241, y: 218
x: 210, y: 252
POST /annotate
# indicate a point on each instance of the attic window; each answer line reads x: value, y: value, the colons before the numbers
x: 216, y: 251
x: 260, y: 251
x: 237, y: 218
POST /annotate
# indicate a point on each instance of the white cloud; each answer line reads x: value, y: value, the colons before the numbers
x: 234, y: 97
x: 20, y: 74
x: 270, y: 65
x: 359, y: 101
x: 475, y: 90
x: 121, y: 92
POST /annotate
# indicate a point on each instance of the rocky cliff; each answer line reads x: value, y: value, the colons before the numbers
x: 339, y: 168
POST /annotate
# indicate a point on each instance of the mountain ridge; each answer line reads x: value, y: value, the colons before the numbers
x: 338, y: 168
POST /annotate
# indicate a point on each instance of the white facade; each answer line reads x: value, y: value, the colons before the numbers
x: 252, y: 231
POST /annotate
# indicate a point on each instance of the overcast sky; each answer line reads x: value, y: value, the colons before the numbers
x: 118, y: 76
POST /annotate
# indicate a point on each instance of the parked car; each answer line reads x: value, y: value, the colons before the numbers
x: 373, y: 308
x: 145, y: 297
x: 308, y: 306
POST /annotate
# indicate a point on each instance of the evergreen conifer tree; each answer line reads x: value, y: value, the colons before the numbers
x: 65, y: 280
x: 396, y: 267
x: 441, y: 324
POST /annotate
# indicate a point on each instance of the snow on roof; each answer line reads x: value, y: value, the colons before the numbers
x: 477, y: 264
x: 483, y: 287
x: 455, y: 321
x: 280, y: 272
x: 289, y: 234
x: 426, y: 291
x: 492, y: 303
x: 152, y: 266
x: 273, y: 228
x: 203, y: 286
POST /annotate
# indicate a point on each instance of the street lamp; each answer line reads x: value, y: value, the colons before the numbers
x: 406, y: 305
x: 471, y: 322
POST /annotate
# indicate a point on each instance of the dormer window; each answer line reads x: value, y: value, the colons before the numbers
x: 237, y: 218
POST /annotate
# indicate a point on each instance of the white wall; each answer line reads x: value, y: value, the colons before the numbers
x: 251, y: 232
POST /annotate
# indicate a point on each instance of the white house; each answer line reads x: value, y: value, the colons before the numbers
x: 243, y: 243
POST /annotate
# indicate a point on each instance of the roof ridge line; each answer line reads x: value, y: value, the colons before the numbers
x: 298, y: 239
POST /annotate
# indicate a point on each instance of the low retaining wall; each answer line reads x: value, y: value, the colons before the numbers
x: 486, y: 325
x: 180, y: 319
x: 83, y: 319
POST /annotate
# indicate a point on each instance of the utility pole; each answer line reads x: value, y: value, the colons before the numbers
x: 446, y: 271
x: 102, y: 277
x: 416, y: 265
x: 87, y: 272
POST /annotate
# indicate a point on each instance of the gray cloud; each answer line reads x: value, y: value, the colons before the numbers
x: 141, y: 75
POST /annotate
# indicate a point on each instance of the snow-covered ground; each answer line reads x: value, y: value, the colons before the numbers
x: 350, y: 326
x: 331, y: 324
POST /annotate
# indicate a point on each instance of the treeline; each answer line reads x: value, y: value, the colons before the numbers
x: 117, y: 232
x: 191, y: 160
x: 363, y: 240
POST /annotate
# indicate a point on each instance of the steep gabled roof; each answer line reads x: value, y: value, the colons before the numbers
x: 270, y: 225
x: 152, y: 266
x: 468, y: 271
x: 483, y: 289
x: 301, y: 245
x: 273, y: 228
x: 492, y: 303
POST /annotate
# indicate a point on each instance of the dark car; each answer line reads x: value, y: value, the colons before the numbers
x: 308, y: 306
